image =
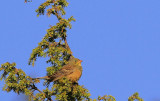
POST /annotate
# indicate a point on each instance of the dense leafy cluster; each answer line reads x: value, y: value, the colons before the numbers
x: 54, y: 46
x: 16, y: 80
x: 135, y: 96
x: 106, y: 98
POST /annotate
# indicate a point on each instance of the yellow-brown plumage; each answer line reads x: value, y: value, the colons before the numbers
x: 72, y: 71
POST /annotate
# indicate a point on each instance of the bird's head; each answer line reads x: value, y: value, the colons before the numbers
x: 78, y: 62
x: 75, y: 61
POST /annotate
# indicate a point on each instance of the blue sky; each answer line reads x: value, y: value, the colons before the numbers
x: 118, y: 41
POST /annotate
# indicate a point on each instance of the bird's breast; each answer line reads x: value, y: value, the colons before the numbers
x: 75, y: 75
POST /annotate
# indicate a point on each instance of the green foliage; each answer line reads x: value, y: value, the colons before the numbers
x: 16, y: 79
x: 54, y: 46
x: 106, y: 98
x: 135, y: 96
x: 67, y: 91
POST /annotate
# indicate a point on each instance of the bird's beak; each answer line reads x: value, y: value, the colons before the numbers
x: 80, y: 61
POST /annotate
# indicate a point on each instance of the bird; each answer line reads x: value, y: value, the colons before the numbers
x: 72, y: 71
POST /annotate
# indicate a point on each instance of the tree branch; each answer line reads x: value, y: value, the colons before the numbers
x: 67, y: 46
x: 35, y: 88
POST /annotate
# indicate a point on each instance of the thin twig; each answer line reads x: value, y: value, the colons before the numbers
x: 34, y: 87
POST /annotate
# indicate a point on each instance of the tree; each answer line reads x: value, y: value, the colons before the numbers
x: 55, y: 48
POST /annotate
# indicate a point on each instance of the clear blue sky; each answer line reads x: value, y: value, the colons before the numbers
x: 118, y: 41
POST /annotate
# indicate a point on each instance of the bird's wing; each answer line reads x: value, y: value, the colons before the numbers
x: 65, y: 70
